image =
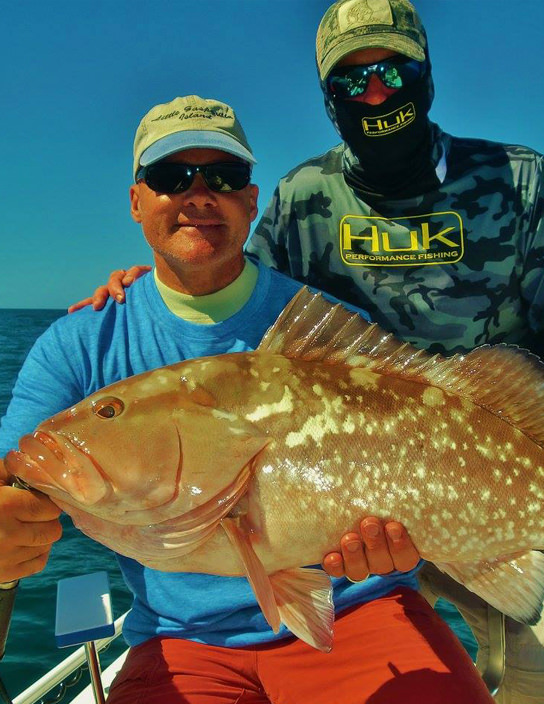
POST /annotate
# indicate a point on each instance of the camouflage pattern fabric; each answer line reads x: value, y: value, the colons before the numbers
x: 349, y: 25
x: 455, y: 268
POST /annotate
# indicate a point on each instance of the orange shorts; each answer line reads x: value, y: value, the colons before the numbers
x: 394, y: 650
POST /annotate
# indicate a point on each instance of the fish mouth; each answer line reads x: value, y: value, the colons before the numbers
x: 54, y: 464
x: 50, y: 443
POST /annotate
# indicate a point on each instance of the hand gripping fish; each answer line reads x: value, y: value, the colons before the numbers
x: 255, y: 463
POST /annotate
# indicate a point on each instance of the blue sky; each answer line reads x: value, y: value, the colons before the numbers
x: 77, y: 75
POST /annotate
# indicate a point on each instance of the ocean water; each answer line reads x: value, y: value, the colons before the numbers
x: 31, y: 650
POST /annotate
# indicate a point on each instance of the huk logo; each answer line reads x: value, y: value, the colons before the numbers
x: 435, y: 238
x: 392, y: 122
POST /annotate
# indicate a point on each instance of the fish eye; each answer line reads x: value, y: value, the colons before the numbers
x: 108, y: 407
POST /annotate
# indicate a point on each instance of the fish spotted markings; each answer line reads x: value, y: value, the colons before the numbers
x: 364, y: 378
x: 317, y: 426
x: 433, y: 397
x: 284, y: 405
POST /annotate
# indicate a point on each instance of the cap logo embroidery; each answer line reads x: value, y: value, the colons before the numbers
x: 166, y: 117
x: 361, y: 13
x: 190, y: 112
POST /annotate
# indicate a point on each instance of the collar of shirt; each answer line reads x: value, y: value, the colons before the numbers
x: 212, y: 307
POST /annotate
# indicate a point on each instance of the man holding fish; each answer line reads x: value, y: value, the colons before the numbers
x: 199, y: 637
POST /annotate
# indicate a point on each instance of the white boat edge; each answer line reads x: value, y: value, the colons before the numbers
x: 64, y: 669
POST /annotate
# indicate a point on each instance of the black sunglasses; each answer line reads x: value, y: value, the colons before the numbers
x: 396, y: 72
x: 172, y: 177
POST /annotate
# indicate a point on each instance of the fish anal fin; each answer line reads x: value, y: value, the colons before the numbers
x: 304, y: 599
x: 255, y: 572
x: 514, y: 584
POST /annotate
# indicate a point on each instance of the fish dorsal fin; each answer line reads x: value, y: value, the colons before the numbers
x: 312, y: 328
x: 505, y: 379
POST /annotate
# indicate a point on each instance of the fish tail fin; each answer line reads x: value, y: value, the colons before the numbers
x: 513, y: 585
x: 304, y: 599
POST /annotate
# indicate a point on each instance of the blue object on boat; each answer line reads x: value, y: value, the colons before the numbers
x: 83, y: 609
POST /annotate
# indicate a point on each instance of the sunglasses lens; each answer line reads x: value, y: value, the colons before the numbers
x: 350, y: 83
x: 227, y: 177
x: 391, y: 78
x: 411, y: 70
x: 168, y: 178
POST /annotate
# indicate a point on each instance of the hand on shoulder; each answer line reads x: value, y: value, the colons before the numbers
x: 119, y: 280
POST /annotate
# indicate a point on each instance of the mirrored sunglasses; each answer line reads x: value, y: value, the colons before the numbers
x: 396, y: 72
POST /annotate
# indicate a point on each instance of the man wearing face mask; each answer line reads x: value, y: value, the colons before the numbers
x: 440, y: 238
x: 393, y: 155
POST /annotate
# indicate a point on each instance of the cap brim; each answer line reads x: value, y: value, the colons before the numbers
x: 376, y: 40
x: 194, y: 139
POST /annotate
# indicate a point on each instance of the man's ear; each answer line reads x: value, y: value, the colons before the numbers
x: 253, y: 197
x: 134, y: 193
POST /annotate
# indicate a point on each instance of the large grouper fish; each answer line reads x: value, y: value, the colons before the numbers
x: 256, y: 463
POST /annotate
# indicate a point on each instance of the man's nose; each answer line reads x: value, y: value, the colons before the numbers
x: 198, y: 194
x: 376, y: 92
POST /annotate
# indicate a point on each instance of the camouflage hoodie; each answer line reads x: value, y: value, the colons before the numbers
x: 457, y: 267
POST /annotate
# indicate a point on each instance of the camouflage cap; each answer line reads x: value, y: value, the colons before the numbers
x: 350, y: 25
x: 187, y: 123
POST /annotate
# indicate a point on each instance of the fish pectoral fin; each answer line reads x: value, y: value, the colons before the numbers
x: 255, y: 572
x: 304, y: 599
x: 513, y: 584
